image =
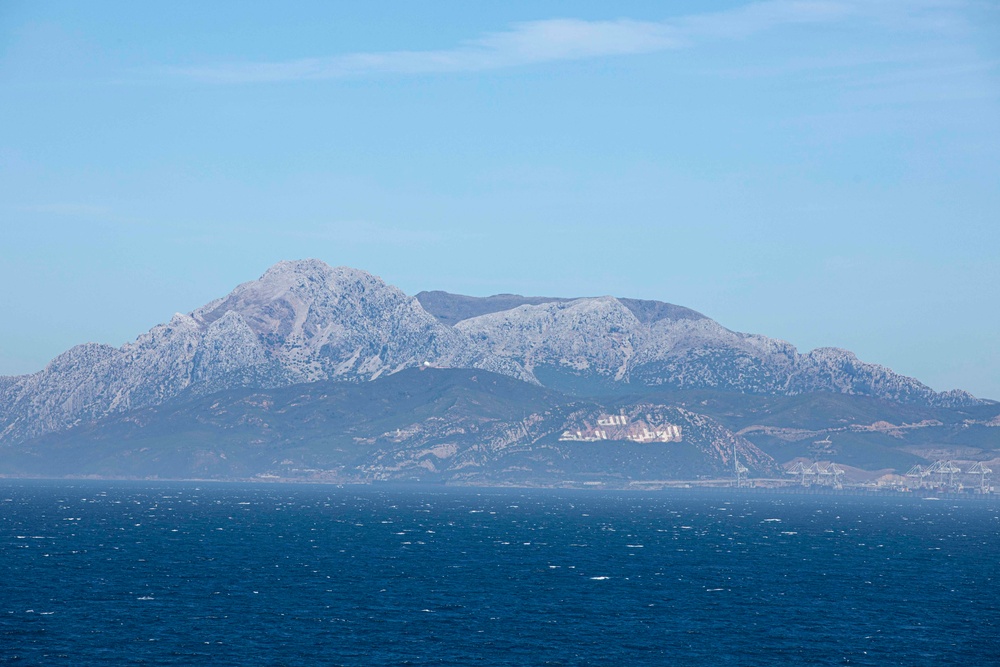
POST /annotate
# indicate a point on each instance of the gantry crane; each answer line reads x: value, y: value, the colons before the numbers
x: 979, y: 469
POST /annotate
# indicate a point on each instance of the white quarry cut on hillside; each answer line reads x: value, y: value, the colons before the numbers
x: 304, y: 321
x: 619, y: 427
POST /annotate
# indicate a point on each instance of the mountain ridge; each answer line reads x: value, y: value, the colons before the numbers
x: 304, y: 321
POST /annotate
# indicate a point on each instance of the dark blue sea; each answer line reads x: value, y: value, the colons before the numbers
x: 111, y: 573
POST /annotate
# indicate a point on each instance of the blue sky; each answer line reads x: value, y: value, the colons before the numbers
x: 821, y: 172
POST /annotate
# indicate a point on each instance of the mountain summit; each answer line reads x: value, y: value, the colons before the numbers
x: 304, y: 321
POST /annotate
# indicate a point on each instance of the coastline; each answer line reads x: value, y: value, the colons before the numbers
x: 637, y: 486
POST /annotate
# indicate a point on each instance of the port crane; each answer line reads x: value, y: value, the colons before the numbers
x: 918, y: 472
x: 739, y: 470
x: 832, y: 474
x: 979, y: 469
x: 801, y: 469
x: 946, y: 470
x: 945, y: 473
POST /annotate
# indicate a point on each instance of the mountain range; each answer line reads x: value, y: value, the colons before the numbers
x: 306, y: 327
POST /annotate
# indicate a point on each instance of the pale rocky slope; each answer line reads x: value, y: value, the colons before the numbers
x: 602, y: 340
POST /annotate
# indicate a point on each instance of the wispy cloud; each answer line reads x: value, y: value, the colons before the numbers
x: 537, y: 42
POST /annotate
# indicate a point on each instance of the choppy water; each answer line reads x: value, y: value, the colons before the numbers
x: 102, y: 573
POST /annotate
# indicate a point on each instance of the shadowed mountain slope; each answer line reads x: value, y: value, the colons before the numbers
x: 420, y: 424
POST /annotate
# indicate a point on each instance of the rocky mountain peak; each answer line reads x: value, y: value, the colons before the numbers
x: 301, y: 321
x: 285, y: 294
x: 322, y: 322
x: 306, y: 267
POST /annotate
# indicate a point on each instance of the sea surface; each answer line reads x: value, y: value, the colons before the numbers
x: 113, y: 573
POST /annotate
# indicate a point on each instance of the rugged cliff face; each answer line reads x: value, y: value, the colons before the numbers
x: 603, y: 342
x: 304, y: 321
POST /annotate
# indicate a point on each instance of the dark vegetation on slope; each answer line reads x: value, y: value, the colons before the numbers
x: 444, y: 424
x: 457, y: 424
